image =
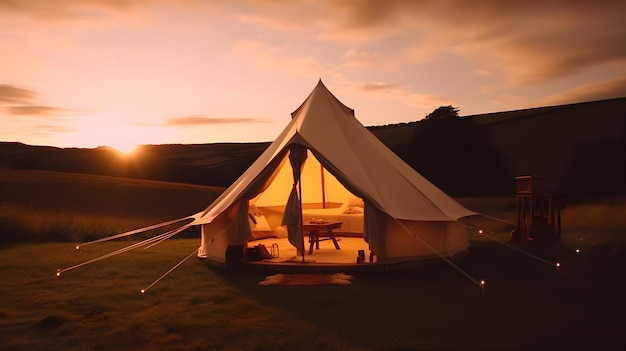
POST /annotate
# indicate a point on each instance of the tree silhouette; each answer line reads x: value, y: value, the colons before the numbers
x: 456, y: 154
x: 443, y: 113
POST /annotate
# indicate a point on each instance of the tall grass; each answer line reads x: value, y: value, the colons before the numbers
x: 21, y: 224
x: 54, y: 206
x: 591, y: 223
x: 43, y: 206
x: 595, y: 224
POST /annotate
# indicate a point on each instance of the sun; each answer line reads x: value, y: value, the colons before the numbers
x: 125, y: 137
x: 126, y: 148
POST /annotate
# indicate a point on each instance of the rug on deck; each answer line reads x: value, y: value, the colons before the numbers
x: 307, y: 279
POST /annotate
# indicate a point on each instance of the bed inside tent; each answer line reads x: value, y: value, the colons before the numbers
x: 324, y: 200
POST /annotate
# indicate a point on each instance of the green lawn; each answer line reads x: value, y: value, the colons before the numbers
x: 528, y: 304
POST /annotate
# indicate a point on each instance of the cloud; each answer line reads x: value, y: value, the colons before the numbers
x: 21, y: 102
x: 280, y: 58
x: 379, y: 86
x: 52, y: 129
x: 591, y: 91
x: 405, y: 95
x: 10, y: 94
x: 199, y: 120
x: 530, y: 42
x: 527, y: 42
x: 33, y: 110
x: 65, y: 9
x: 358, y: 58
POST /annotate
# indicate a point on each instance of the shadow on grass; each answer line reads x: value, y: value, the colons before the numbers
x: 528, y: 304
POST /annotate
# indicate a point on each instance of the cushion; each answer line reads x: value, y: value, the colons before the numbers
x: 260, y: 227
x: 280, y: 232
x: 355, y: 202
x: 261, y: 224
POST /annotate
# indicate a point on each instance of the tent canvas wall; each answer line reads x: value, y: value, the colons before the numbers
x: 405, y: 216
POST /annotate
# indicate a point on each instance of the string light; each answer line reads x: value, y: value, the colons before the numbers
x: 58, y: 272
x: 577, y: 250
x: 77, y: 247
x: 482, y: 287
x: 558, y: 265
x: 480, y: 231
x: 143, y: 291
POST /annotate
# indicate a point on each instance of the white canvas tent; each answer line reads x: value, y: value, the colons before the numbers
x: 405, y: 216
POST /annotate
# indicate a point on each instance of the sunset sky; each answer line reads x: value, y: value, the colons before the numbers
x: 123, y: 72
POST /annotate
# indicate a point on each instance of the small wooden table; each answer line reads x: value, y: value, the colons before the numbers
x: 314, y: 229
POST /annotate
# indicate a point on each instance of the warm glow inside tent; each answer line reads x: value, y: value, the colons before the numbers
x: 326, y: 166
x: 319, y: 187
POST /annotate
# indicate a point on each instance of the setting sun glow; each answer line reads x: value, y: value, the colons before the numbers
x: 101, y: 72
x: 125, y: 148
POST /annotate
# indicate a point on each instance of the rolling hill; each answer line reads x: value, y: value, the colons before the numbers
x: 581, y: 144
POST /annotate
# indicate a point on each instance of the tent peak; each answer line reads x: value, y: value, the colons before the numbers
x: 321, y: 98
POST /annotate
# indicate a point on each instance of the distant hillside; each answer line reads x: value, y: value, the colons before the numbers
x: 543, y: 140
x: 204, y: 164
x: 581, y: 144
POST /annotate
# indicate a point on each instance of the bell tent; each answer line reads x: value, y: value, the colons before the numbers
x: 326, y: 166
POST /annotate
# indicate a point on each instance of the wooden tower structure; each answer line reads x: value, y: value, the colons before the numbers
x: 538, y: 210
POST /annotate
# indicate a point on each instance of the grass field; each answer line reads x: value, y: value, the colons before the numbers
x: 528, y: 303
x: 54, y: 206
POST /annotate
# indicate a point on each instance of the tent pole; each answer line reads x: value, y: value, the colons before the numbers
x: 323, y: 187
x: 300, y: 213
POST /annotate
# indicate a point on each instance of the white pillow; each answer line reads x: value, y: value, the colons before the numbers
x: 280, y: 232
x: 261, y: 224
x: 355, y: 202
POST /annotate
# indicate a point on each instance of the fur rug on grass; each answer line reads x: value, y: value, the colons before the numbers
x: 307, y: 279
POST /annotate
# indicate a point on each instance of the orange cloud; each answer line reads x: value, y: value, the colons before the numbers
x: 529, y: 42
x: 55, y: 129
x: 19, y: 101
x: 33, y: 110
x: 10, y: 94
x: 405, y: 95
x: 378, y: 86
x: 59, y: 9
x: 590, y: 92
x: 199, y: 120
